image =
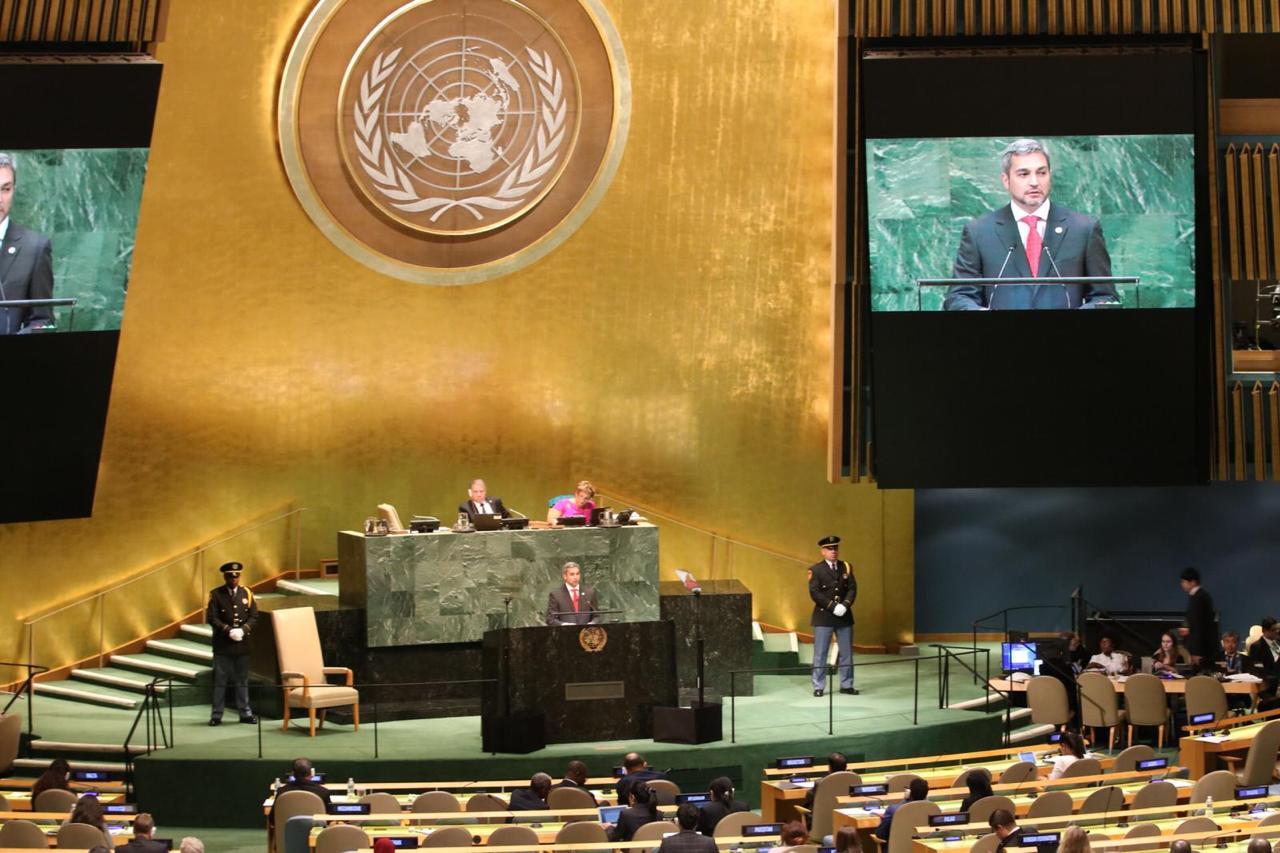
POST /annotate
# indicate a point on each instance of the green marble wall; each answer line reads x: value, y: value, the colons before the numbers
x: 448, y: 587
x: 921, y: 192
x: 87, y: 201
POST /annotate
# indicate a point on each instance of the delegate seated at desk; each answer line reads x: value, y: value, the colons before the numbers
x: 479, y: 503
x: 573, y: 602
x: 1109, y: 659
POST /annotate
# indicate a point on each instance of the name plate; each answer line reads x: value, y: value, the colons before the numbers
x: 588, y: 690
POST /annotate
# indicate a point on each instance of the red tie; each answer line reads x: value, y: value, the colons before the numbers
x: 1033, y: 245
x: 574, y: 593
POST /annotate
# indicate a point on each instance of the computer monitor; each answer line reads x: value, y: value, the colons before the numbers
x: 1018, y: 657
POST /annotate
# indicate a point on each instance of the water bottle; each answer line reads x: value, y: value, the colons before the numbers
x: 351, y: 788
x: 1208, y: 806
x: 275, y: 786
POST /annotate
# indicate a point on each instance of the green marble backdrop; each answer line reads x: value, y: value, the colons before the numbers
x: 921, y: 192
x: 87, y: 201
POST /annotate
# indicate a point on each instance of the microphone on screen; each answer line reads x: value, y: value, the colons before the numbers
x: 994, y: 287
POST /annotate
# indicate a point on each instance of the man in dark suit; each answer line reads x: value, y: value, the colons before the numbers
x: 1030, y: 238
x: 1006, y: 829
x: 232, y: 613
x: 575, y: 776
x: 1200, y: 633
x: 300, y: 780
x: 573, y: 602
x: 144, y: 826
x: 833, y: 589
x: 688, y: 839
x: 836, y: 763
x: 26, y: 263
x: 479, y: 503
x: 1264, y: 662
x: 533, y: 798
x: 636, y: 769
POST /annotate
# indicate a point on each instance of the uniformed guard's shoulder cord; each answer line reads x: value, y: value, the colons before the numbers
x: 249, y: 593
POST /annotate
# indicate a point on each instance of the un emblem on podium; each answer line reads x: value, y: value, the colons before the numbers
x: 593, y: 638
x: 450, y: 141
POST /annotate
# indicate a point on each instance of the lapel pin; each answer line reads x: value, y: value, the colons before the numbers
x: 1058, y: 230
x: 13, y: 249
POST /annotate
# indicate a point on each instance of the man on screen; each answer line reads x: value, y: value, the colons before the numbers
x: 1030, y: 238
x: 26, y: 264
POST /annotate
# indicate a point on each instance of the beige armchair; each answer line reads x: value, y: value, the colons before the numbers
x: 303, y: 672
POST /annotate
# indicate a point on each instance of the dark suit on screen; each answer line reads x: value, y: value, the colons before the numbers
x: 26, y: 272
x: 560, y: 606
x: 1202, y: 633
x: 471, y: 509
x: 1073, y: 241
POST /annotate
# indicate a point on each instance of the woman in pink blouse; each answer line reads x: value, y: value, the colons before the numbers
x: 580, y: 504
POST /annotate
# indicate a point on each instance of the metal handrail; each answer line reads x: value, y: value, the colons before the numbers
x: 191, y: 553
x: 32, y: 670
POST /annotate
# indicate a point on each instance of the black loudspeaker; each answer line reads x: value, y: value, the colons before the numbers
x: 699, y: 724
x: 520, y: 733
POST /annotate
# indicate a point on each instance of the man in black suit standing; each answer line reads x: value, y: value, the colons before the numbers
x: 26, y: 263
x: 1199, y: 633
x: 232, y: 613
x: 688, y: 839
x: 479, y: 503
x: 1030, y: 238
x: 833, y: 589
x: 573, y: 602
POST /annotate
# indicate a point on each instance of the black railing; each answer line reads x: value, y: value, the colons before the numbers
x: 27, y: 686
x: 80, y: 25
x: 151, y: 716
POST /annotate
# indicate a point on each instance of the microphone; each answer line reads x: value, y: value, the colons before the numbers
x: 1058, y: 273
x: 994, y: 287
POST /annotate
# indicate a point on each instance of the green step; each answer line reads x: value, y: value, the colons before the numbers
x: 161, y: 665
x: 95, y: 694
x: 307, y: 586
x: 197, y: 633
x: 183, y: 650
x: 111, y: 676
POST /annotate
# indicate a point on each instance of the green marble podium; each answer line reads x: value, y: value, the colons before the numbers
x: 448, y: 587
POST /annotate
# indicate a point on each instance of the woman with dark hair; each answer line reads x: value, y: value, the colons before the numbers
x: 55, y: 776
x: 1071, y: 749
x: 89, y: 810
x: 847, y: 840
x: 979, y: 782
x: 1169, y: 655
x: 721, y: 804
x: 642, y: 808
x: 794, y: 835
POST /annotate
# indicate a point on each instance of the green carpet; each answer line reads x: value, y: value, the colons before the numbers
x: 214, y: 777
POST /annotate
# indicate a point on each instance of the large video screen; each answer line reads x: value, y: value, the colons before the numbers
x: 68, y: 218
x: 1036, y: 225
x: 951, y: 211
x: 73, y: 160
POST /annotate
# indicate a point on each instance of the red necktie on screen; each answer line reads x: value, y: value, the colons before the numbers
x: 574, y: 593
x: 1033, y: 245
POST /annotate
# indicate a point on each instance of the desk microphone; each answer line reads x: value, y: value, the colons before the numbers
x: 1009, y: 254
x: 1058, y: 273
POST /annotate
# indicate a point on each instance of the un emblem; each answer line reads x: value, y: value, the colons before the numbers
x: 450, y: 141
x: 593, y: 638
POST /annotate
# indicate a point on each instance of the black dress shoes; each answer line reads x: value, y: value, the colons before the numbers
x: 215, y: 721
x: 817, y: 693
x: 249, y: 719
x: 849, y: 691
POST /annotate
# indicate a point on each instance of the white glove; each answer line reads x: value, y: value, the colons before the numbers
x: 839, y: 610
x: 237, y: 634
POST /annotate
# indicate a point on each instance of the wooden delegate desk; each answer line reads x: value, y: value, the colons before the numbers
x: 20, y: 801
x: 1200, y: 753
x: 1172, y: 686
x: 1227, y: 825
x: 546, y: 835
x: 406, y: 799
x: 779, y: 797
x: 732, y: 842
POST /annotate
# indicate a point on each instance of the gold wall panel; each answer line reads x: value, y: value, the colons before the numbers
x: 676, y: 349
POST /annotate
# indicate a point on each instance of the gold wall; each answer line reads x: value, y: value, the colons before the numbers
x: 675, y: 350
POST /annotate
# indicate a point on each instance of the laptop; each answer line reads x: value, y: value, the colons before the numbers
x: 609, y: 814
x: 571, y: 520
x: 486, y: 521
x: 597, y: 515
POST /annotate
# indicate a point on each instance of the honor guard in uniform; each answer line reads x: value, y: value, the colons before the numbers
x: 833, y: 589
x: 232, y: 612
